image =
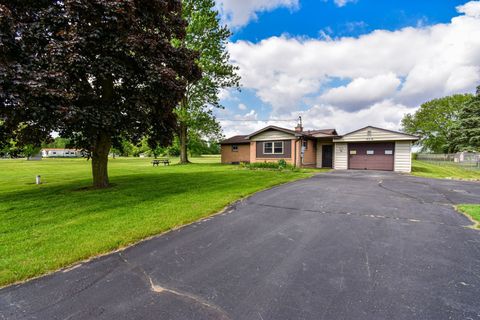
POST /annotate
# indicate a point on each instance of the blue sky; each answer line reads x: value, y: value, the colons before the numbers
x: 346, y: 63
x: 353, y: 19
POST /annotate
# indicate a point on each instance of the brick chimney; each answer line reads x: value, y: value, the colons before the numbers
x: 299, y: 127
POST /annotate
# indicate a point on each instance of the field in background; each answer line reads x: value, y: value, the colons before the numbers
x: 465, y: 160
x: 443, y: 171
x: 52, y: 225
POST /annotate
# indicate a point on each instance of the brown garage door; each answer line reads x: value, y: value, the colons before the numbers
x: 371, y: 156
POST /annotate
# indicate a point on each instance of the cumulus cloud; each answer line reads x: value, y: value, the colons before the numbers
x: 241, y: 106
x: 471, y: 9
x: 386, y: 114
x: 342, y: 3
x: 387, y: 72
x: 362, y: 92
x: 237, y: 13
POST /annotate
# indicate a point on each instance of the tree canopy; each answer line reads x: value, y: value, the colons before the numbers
x: 468, y: 128
x: 434, y: 122
x: 205, y: 35
x: 95, y: 71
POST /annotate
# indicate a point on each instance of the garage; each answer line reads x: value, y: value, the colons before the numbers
x: 373, y: 148
x: 371, y: 156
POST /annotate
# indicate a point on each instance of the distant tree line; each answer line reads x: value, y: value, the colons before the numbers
x: 112, y: 75
x: 447, y: 125
x: 197, y: 146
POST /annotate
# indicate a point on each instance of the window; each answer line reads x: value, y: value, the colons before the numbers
x: 353, y: 151
x: 54, y: 152
x: 305, y: 144
x: 388, y: 151
x: 370, y: 152
x: 268, y: 147
x: 273, y: 147
x: 234, y: 148
x: 278, y: 147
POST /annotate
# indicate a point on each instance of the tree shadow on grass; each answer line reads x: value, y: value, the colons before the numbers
x: 49, y: 204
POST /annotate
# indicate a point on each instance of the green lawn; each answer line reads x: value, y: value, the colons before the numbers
x: 49, y: 226
x: 447, y: 171
x: 473, y: 211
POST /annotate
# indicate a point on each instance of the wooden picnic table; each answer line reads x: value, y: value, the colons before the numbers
x: 156, y: 162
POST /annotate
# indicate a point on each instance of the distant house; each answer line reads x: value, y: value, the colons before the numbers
x: 61, y: 153
x: 369, y: 148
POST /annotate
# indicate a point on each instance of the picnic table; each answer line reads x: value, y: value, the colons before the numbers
x: 156, y: 162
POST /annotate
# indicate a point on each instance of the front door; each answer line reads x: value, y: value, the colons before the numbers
x: 327, y: 156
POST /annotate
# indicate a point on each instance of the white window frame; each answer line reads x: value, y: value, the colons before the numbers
x: 273, y: 147
x: 305, y: 144
x: 370, y: 152
x: 234, y: 147
x: 389, y: 152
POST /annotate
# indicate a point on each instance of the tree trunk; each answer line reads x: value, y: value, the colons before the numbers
x: 100, y: 161
x: 183, y: 143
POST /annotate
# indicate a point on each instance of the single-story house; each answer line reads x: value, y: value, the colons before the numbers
x: 60, y: 152
x: 368, y: 148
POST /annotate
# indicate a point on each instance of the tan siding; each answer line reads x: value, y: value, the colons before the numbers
x: 272, y: 135
x: 340, y: 156
x: 297, y: 147
x: 376, y: 135
x: 403, y: 157
x: 310, y: 156
x: 242, y: 155
x: 253, y: 151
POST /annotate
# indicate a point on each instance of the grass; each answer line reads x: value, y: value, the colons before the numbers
x: 472, y: 211
x: 445, y: 171
x: 49, y: 226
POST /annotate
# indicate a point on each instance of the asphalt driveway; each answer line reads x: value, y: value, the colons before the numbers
x: 341, y: 245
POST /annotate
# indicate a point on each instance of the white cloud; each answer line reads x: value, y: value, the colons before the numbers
x: 241, y: 106
x: 251, y: 115
x: 362, y: 92
x: 388, y: 71
x: 237, y: 13
x: 342, y: 3
x: 385, y: 114
x: 471, y: 9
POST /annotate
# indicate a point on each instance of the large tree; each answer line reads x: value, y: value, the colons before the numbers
x: 95, y: 71
x: 206, y: 36
x: 468, y: 129
x: 434, y: 123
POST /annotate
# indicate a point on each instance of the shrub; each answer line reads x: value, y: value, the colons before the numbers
x: 279, y: 165
x: 282, y: 164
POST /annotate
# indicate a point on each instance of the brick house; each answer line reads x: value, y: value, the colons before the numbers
x: 369, y: 148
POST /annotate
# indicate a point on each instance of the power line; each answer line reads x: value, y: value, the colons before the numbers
x: 257, y: 120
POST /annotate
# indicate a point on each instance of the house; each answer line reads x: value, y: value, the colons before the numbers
x: 368, y: 148
x: 60, y: 153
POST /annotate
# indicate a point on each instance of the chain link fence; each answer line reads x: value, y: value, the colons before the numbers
x: 467, y: 160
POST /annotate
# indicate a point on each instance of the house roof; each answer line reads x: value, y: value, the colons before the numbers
x: 321, y: 133
x: 386, y: 130
x: 307, y: 133
x: 236, y: 140
x: 272, y: 128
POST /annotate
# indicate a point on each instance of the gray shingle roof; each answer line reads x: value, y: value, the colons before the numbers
x: 235, y: 140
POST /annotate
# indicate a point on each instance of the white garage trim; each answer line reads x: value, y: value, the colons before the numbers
x: 372, y: 134
x: 403, y: 156
x: 340, y: 156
